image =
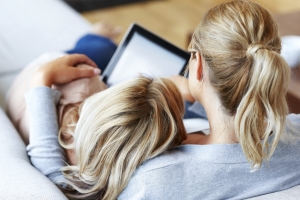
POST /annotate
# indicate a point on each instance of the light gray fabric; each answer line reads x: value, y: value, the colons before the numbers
x: 44, y: 150
x: 289, y: 194
x: 217, y: 171
x: 18, y: 179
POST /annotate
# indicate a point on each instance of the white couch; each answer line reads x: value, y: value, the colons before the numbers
x: 32, y: 27
x: 28, y: 29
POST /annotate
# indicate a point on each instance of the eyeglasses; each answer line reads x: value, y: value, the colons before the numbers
x: 193, y: 55
x: 191, y: 49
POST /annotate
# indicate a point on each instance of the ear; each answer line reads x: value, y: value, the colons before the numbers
x: 199, y: 66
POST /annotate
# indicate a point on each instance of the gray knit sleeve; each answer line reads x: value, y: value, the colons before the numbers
x: 44, y: 151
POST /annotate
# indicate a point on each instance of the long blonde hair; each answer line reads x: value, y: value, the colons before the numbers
x: 240, y: 44
x: 119, y: 129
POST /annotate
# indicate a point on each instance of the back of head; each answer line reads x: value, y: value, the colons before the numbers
x: 119, y: 129
x: 240, y: 45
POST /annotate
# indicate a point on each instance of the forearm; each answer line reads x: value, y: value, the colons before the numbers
x: 183, y: 85
x: 44, y: 150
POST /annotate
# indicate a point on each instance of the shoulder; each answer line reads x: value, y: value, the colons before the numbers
x: 293, y: 125
x: 293, y: 119
x: 152, y: 170
x: 289, y: 143
x: 172, y: 157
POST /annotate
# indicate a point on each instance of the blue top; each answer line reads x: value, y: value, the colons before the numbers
x: 218, y: 171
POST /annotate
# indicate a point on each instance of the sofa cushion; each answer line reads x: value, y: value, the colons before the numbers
x: 19, y: 180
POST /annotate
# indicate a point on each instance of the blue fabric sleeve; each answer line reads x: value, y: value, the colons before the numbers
x: 194, y: 110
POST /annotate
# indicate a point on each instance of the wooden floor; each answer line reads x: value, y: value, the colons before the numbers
x: 172, y: 19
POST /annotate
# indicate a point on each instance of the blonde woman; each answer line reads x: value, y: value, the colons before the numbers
x: 237, y: 74
x: 113, y: 131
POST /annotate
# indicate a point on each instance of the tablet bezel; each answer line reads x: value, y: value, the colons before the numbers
x: 136, y: 28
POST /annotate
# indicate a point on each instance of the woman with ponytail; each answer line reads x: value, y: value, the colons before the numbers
x: 253, y: 147
x: 245, y: 74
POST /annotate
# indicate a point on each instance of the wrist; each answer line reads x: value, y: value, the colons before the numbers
x: 41, y: 79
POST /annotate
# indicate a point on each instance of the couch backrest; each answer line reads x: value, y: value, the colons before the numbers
x: 32, y: 27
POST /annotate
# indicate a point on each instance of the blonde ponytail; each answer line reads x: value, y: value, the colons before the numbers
x: 263, y: 108
x: 240, y: 44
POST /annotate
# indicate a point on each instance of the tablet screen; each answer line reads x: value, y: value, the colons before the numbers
x: 142, y: 54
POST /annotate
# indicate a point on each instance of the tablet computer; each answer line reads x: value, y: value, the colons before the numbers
x: 143, y: 52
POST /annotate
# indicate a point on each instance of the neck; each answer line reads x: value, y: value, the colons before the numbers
x: 221, y: 125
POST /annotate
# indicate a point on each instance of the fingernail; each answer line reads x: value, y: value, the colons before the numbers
x: 97, y: 71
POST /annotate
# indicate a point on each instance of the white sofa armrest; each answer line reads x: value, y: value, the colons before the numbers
x: 19, y: 179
